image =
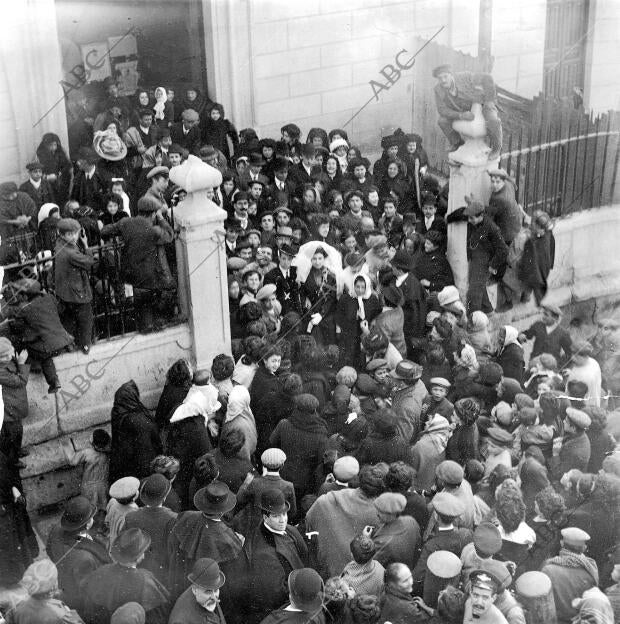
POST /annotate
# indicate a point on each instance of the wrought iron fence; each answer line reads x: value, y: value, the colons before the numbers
x: 113, y: 306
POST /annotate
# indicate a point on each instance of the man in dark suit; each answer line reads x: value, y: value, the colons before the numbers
x: 431, y: 220
x: 253, y: 172
x: 89, y: 187
x: 75, y: 550
x: 454, y: 96
x: 280, y: 191
x: 302, y: 173
x: 414, y: 305
x: 186, y: 133
x: 37, y: 186
x: 284, y: 276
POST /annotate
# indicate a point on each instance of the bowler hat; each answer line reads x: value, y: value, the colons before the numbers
x: 154, y: 489
x: 257, y: 160
x: 402, y: 261
x: 393, y: 295
x: 280, y: 164
x: 129, y: 545
x: 305, y: 588
x: 88, y: 154
x: 407, y: 370
x: 289, y: 250
x: 78, y: 511
x: 272, y: 501
x: 206, y: 574
x: 240, y: 196
x: 308, y: 150
x: 215, y: 498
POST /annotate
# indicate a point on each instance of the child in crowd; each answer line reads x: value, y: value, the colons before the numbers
x: 123, y: 496
x: 72, y: 271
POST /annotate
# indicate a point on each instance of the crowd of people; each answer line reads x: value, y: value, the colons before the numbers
x: 373, y: 449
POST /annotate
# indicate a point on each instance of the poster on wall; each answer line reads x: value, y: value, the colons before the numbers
x: 96, y: 59
x: 127, y: 76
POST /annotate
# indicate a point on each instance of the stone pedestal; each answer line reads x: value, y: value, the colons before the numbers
x: 468, y: 177
x: 203, y: 285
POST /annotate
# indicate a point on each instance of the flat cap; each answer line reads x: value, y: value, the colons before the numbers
x: 375, y: 364
x: 157, y: 171
x: 450, y: 472
x: 447, y: 504
x: 555, y: 310
x: 273, y: 458
x: 474, y: 209
x: 440, y: 381
x: 487, y: 539
x: 390, y: 502
x: 498, y: 173
x: 578, y: 418
x: 500, y: 436
x: 407, y: 370
x: 266, y: 291
x: 345, y: 468
x: 448, y: 295
x: 35, y: 164
x: 442, y: 69
x: 68, y: 225
x: 574, y: 535
x: 125, y: 487
x: 235, y: 264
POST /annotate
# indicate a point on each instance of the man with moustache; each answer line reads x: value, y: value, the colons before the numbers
x: 480, y: 607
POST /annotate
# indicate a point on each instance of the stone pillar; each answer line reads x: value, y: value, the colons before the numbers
x: 203, y: 285
x: 468, y: 176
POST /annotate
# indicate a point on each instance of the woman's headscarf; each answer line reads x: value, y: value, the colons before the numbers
x: 361, y: 312
x: 479, y: 321
x: 127, y: 401
x: 438, y: 430
x: 44, y: 211
x: 511, y: 337
x: 161, y: 97
x: 238, y: 403
x: 594, y: 608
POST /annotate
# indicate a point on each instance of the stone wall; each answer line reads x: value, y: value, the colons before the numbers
x: 88, y: 387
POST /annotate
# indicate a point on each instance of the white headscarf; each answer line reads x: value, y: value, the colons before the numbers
x: 160, y: 103
x: 361, y: 312
x: 511, y: 337
x: 238, y: 403
x: 438, y: 430
x: 44, y: 211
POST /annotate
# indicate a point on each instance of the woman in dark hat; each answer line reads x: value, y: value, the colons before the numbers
x: 217, y: 130
x: 354, y: 315
x: 56, y: 166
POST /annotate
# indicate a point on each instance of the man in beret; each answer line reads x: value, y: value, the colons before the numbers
x: 487, y: 253
x: 186, y: 132
x: 454, y: 95
x: 549, y: 336
x: 18, y: 212
x: 571, y: 572
x: 37, y: 186
x: 575, y: 450
x: 89, y: 186
x: 274, y: 546
x: 144, y: 264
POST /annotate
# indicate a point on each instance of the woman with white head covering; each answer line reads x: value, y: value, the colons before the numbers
x: 510, y: 353
x: 163, y: 110
x: 239, y: 416
x: 354, y: 314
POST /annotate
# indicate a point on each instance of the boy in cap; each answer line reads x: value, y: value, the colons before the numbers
x: 575, y: 450
x: 436, y: 402
x: 14, y: 374
x: 34, y: 319
x: 571, y: 572
x: 95, y: 462
x: 549, y: 336
x: 72, y: 279
x: 37, y: 186
x: 123, y: 494
x: 345, y: 469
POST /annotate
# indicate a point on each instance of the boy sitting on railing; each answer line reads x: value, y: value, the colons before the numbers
x: 36, y: 326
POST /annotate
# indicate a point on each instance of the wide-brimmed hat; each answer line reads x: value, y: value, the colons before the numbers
x: 272, y: 501
x: 109, y: 146
x: 206, y: 574
x: 407, y: 370
x: 215, y: 498
x: 129, y: 545
x: 154, y: 489
x: 78, y: 511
